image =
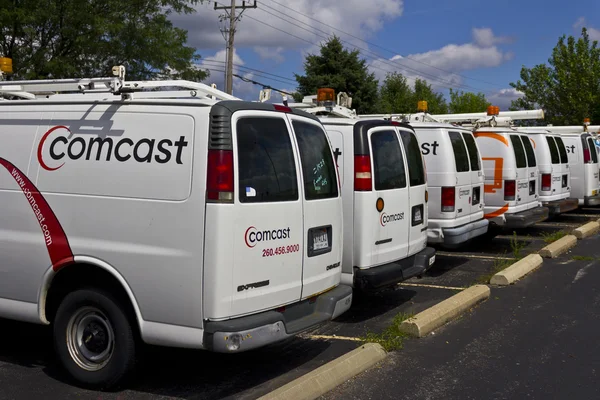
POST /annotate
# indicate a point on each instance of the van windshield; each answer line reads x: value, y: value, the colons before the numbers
x: 461, y: 157
x: 519, y: 151
x: 473, y: 151
x: 318, y: 169
x: 416, y: 171
x: 593, y: 150
x: 531, y: 162
x: 388, y: 161
x: 564, y: 158
x: 553, y: 150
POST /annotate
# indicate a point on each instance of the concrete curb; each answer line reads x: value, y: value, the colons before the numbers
x: 517, y: 270
x: 325, y: 378
x: 434, y: 317
x: 557, y: 248
x: 586, y: 230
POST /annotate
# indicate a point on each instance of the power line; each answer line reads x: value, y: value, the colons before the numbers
x: 262, y: 84
x: 374, y: 44
x: 265, y: 74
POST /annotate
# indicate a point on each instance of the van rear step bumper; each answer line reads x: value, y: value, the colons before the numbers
x: 591, y: 200
x: 253, y: 331
x: 460, y: 234
x: 374, y: 278
x: 526, y: 218
x: 561, y: 206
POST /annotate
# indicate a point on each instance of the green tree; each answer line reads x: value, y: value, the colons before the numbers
x: 395, y: 95
x: 342, y: 70
x: 467, y: 102
x: 436, y: 103
x: 568, y: 88
x: 84, y: 38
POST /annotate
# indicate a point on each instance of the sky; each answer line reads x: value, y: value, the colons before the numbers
x: 468, y: 45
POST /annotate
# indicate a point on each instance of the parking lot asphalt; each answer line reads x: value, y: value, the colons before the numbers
x: 28, y: 368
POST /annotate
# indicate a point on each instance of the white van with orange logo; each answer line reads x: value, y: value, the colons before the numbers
x: 584, y: 165
x: 174, y: 217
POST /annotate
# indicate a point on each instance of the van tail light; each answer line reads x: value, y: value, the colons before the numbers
x: 448, y: 199
x: 219, y: 176
x: 362, y: 174
x: 586, y: 156
x: 546, y: 182
x: 510, y: 189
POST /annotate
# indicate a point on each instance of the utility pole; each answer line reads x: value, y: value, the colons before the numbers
x: 230, y: 14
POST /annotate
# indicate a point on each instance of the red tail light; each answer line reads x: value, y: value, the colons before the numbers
x: 546, y: 182
x: 362, y: 173
x: 510, y: 190
x: 448, y: 199
x: 281, y: 108
x: 586, y: 156
x: 219, y: 177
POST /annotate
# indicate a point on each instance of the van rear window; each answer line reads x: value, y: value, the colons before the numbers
x: 593, y: 150
x: 519, y: 151
x: 388, y: 161
x: 473, y: 151
x: 320, y: 178
x: 461, y: 158
x: 416, y: 171
x: 531, y: 162
x: 562, y: 150
x: 267, y: 167
x: 553, y: 150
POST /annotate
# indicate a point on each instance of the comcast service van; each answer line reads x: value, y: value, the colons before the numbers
x: 583, y: 163
x: 180, y: 219
x: 554, y: 172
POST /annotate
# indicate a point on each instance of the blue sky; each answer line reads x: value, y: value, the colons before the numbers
x: 472, y: 45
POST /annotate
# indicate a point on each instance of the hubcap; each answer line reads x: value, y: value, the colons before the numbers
x: 90, y: 338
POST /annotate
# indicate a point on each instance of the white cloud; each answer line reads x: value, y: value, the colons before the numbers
x: 270, y: 53
x: 484, y: 37
x: 504, y: 97
x: 593, y: 32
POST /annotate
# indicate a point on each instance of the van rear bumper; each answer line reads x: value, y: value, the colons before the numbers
x: 458, y: 234
x: 374, y: 278
x: 526, y: 218
x: 257, y: 330
x: 591, y: 200
x: 561, y: 206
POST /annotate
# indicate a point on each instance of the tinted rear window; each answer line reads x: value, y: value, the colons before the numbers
x: 266, y: 161
x: 461, y: 158
x: 564, y: 158
x: 553, y: 150
x: 593, y: 150
x: 519, y: 151
x: 317, y: 163
x: 388, y: 161
x: 416, y: 171
x: 473, y: 151
x: 529, y: 150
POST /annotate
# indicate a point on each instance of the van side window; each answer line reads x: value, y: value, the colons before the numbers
x: 388, y: 161
x: 564, y: 157
x: 320, y: 179
x: 416, y: 172
x: 473, y: 151
x: 266, y: 161
x: 519, y: 151
x: 593, y: 150
x: 531, y: 162
x: 553, y: 150
x: 460, y: 152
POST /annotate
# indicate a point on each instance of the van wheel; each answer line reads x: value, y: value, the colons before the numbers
x: 93, y: 338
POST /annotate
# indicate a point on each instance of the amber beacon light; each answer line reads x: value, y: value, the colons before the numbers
x: 6, y: 65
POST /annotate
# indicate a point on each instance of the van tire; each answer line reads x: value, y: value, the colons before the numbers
x: 99, y: 317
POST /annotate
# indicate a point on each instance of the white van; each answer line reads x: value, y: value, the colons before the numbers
x: 455, y: 181
x: 584, y: 166
x: 554, y: 173
x: 188, y: 222
x: 511, y: 176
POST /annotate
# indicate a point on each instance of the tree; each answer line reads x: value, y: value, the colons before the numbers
x: 467, y: 102
x: 395, y: 95
x: 85, y: 38
x: 436, y: 103
x: 568, y: 88
x: 342, y: 70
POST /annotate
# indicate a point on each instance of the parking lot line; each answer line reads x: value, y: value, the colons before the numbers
x: 524, y: 238
x: 559, y: 224
x: 480, y: 256
x: 581, y: 215
x: 430, y: 286
x: 334, y: 337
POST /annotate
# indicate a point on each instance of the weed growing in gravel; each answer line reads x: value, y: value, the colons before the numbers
x: 554, y: 236
x: 583, y: 258
x: 391, y: 338
x: 516, y: 249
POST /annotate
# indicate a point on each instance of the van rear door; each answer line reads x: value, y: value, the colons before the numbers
x: 592, y: 182
x: 522, y: 178
x: 462, y: 193
x: 477, y: 177
x: 322, y: 208
x: 532, y: 172
x: 565, y: 178
x: 556, y: 175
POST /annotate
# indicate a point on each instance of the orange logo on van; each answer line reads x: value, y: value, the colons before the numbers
x: 497, y: 213
x: 492, y: 135
x: 498, y: 167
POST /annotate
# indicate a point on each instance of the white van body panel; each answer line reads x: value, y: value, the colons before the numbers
x: 585, y: 185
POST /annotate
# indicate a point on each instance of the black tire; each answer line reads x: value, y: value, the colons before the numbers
x: 102, y: 314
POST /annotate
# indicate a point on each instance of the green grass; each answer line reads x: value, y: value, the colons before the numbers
x: 516, y: 250
x: 391, y: 338
x: 583, y: 258
x: 554, y: 236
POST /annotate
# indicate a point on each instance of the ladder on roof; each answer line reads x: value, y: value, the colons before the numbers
x: 116, y: 85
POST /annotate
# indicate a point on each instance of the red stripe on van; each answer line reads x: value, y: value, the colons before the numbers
x: 55, y: 238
